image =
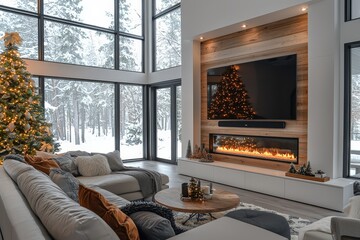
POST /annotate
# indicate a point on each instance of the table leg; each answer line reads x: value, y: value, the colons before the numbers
x: 198, y: 215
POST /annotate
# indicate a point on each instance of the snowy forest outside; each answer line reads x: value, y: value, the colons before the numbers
x: 88, y: 39
x: 83, y: 112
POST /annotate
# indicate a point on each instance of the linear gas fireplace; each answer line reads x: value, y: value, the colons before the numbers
x: 262, y: 148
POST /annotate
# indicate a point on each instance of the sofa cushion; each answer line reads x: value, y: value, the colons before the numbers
x: 115, y: 183
x: 267, y: 220
x: 17, y: 157
x: 96, y: 165
x: 15, y: 168
x: 151, y: 226
x: 67, y: 163
x: 66, y: 181
x: 62, y: 217
x: 113, y: 216
x: 17, y: 220
x: 114, y: 160
x: 41, y: 164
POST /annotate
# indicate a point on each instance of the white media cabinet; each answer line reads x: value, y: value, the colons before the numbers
x: 333, y: 194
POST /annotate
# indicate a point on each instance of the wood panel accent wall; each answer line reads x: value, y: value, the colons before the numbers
x: 284, y: 37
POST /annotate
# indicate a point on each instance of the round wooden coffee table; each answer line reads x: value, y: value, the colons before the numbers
x: 221, y: 201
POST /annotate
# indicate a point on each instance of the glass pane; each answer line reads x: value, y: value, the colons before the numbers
x: 178, y: 121
x: 69, y: 44
x: 168, y: 40
x: 27, y: 27
x: 98, y: 13
x: 355, y: 113
x: 28, y: 5
x: 36, y: 81
x: 131, y: 54
x: 131, y: 16
x: 163, y: 123
x: 82, y: 114
x: 161, y: 5
x: 355, y: 9
x: 131, y: 122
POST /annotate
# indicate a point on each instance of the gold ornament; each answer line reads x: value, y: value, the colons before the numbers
x: 27, y: 115
x: 11, y: 126
x: 12, y: 38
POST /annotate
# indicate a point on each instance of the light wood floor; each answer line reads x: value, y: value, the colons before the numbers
x: 277, y: 204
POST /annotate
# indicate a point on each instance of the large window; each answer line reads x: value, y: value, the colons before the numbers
x: 82, y: 114
x: 167, y: 121
x: 106, y: 33
x: 167, y: 32
x: 352, y: 110
x: 131, y: 122
x: 27, y: 26
x: 163, y: 123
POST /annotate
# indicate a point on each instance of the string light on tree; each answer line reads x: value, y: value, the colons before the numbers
x: 23, y: 128
x: 231, y: 100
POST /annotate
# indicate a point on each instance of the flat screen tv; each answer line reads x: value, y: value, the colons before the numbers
x: 263, y: 89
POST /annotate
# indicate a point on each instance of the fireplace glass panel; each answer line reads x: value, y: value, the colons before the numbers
x: 263, y: 148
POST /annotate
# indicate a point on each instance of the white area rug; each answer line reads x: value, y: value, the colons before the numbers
x: 295, y: 223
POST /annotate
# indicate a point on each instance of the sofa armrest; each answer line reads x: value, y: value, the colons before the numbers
x: 345, y: 227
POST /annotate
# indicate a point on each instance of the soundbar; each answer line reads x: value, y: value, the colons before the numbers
x: 252, y: 124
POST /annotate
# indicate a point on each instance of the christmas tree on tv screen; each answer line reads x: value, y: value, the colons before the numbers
x: 23, y: 128
x: 231, y: 100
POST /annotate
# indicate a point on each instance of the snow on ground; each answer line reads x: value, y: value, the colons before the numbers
x: 105, y: 144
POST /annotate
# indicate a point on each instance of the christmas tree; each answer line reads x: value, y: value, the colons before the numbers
x: 231, y: 100
x: 23, y: 128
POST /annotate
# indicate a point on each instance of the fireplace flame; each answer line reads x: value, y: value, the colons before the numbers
x: 266, y: 153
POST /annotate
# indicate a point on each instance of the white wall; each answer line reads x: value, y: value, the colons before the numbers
x: 324, y: 81
x: 211, y: 18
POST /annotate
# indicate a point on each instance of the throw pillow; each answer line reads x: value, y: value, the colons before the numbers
x: 96, y: 165
x: 114, y: 160
x: 46, y: 154
x: 147, y: 206
x: 67, y: 182
x: 152, y: 226
x: 122, y: 225
x: 41, y: 164
x: 67, y: 163
x: 78, y: 153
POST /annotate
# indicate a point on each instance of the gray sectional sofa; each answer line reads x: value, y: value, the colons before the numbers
x: 33, y: 207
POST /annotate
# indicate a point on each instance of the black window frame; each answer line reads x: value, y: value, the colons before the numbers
x: 116, y: 110
x: 41, y: 31
x: 347, y: 107
x: 154, y: 18
x: 172, y: 84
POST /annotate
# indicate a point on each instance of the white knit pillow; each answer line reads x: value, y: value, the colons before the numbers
x: 95, y: 165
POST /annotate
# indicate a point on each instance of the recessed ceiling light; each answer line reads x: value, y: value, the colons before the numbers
x: 243, y: 26
x: 201, y: 38
x: 303, y: 9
